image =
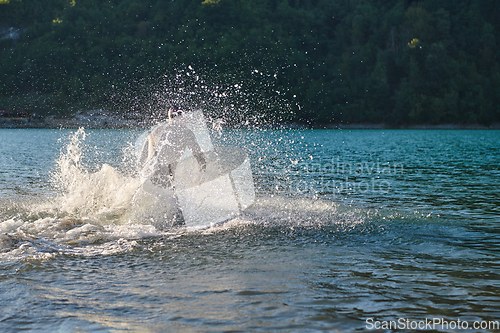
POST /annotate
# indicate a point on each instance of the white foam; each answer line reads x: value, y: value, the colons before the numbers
x: 130, y: 231
x: 103, y: 196
x: 10, y: 225
x: 46, y: 238
x: 110, y: 248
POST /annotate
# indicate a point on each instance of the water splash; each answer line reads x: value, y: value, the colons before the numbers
x: 101, y: 196
x: 88, y: 216
x: 248, y: 98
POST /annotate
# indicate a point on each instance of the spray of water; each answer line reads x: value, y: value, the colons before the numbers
x: 102, y: 196
x: 93, y: 210
x: 248, y: 98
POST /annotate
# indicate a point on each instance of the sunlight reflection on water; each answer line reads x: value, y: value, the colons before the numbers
x: 305, y: 256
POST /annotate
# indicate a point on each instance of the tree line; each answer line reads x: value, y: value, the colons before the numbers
x: 305, y: 61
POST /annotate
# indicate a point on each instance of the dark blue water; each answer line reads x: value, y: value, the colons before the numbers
x: 351, y: 230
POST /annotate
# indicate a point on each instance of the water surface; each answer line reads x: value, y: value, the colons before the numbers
x: 347, y: 226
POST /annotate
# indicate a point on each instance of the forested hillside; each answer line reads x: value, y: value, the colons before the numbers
x: 366, y: 61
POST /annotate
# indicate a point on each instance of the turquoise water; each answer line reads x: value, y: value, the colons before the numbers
x: 349, y: 228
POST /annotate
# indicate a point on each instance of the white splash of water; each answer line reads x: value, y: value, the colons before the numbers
x: 103, y: 196
x: 89, y: 216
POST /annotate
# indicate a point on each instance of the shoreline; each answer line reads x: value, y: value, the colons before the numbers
x: 74, y: 123
x: 495, y: 126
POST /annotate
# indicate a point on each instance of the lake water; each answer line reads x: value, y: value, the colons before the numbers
x: 351, y: 230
